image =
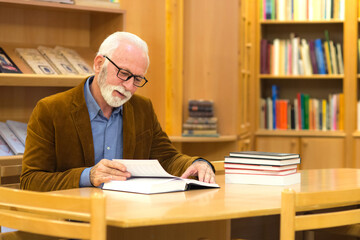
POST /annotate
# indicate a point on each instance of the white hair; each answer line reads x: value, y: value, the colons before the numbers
x: 112, y: 42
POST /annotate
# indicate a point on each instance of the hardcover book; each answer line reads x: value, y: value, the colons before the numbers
x: 6, y: 63
x: 57, y: 61
x: 10, y: 138
x: 149, y: 177
x: 35, y: 61
x: 75, y: 60
x: 263, y: 179
x: 262, y: 161
x: 258, y: 167
x: 18, y: 128
x: 264, y: 155
x: 260, y: 172
x: 4, y: 148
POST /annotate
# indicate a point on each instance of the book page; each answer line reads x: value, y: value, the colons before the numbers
x: 144, y: 168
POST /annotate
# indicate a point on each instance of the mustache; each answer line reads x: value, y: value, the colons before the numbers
x: 121, y: 90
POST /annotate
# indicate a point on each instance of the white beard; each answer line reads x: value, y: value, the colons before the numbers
x: 107, y: 90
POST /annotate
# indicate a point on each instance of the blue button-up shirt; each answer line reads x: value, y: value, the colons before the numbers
x: 107, y: 133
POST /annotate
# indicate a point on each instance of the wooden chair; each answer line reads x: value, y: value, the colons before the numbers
x: 52, y: 214
x: 293, y: 203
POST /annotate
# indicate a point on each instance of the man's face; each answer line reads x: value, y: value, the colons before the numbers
x: 114, y: 90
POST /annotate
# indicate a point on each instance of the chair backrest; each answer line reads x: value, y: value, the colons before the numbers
x: 10, y: 170
x: 292, y: 203
x: 53, y: 214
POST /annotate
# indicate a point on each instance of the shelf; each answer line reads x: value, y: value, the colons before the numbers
x: 332, y: 21
x: 13, y: 157
x: 314, y: 76
x: 225, y: 138
x: 300, y: 133
x: 36, y: 80
x: 356, y: 134
x: 60, y: 6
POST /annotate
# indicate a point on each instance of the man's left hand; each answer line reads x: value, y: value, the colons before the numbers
x: 202, y: 170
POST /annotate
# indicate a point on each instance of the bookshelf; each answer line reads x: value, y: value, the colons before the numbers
x: 319, y: 149
x: 81, y: 28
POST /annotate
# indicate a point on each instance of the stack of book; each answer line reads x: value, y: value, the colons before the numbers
x: 201, y: 121
x: 264, y: 168
x: 12, y: 137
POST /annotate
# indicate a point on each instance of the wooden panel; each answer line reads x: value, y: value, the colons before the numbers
x: 357, y: 152
x: 215, y: 230
x: 147, y: 20
x: 319, y: 153
x: 17, y: 103
x: 278, y: 144
x: 210, y: 58
x: 212, y: 151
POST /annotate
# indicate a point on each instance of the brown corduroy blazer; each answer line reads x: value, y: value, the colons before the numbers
x: 59, y: 143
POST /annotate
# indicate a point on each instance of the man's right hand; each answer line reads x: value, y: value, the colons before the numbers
x: 107, y: 170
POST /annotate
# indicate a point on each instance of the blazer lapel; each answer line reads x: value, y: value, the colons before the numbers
x: 82, y: 123
x: 128, y: 131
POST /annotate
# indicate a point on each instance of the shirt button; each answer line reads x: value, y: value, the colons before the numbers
x: 108, y: 148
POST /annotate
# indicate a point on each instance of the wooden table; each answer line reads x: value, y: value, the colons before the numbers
x: 206, y: 213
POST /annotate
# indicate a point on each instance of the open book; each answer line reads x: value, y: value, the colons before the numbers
x: 148, y: 176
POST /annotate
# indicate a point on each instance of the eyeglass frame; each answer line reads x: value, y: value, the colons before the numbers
x: 131, y: 74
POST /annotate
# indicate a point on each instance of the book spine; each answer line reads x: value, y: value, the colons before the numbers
x: 319, y: 56
x: 274, y: 98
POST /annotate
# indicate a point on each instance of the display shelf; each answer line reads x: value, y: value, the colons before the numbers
x: 294, y: 22
x: 58, y: 6
x: 222, y: 138
x: 300, y: 133
x: 35, y: 80
x: 314, y: 76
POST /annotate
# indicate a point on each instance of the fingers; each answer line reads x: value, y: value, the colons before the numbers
x: 202, y: 170
x: 107, y: 170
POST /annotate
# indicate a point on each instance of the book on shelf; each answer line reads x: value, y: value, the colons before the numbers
x: 303, y: 113
x: 57, y: 61
x: 201, y: 121
x: 259, y: 167
x: 277, y: 180
x: 4, y: 148
x: 35, y: 61
x: 18, y: 128
x: 302, y: 10
x: 264, y: 155
x: 200, y: 133
x: 300, y: 56
x: 75, y: 60
x: 10, y: 138
x: 7, y: 65
x: 149, y: 177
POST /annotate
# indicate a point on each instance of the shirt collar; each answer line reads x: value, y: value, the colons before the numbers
x: 93, y: 107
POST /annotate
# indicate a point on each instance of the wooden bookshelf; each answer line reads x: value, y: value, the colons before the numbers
x: 336, y: 147
x: 30, y: 23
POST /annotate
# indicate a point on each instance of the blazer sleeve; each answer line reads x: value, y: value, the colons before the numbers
x: 42, y: 170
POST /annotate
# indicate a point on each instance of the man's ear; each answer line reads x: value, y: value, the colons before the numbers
x: 98, y: 62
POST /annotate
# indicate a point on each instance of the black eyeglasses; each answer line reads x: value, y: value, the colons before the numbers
x: 126, y: 75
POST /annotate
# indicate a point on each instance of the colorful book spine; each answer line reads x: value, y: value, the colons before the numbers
x: 319, y: 56
x: 274, y: 91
